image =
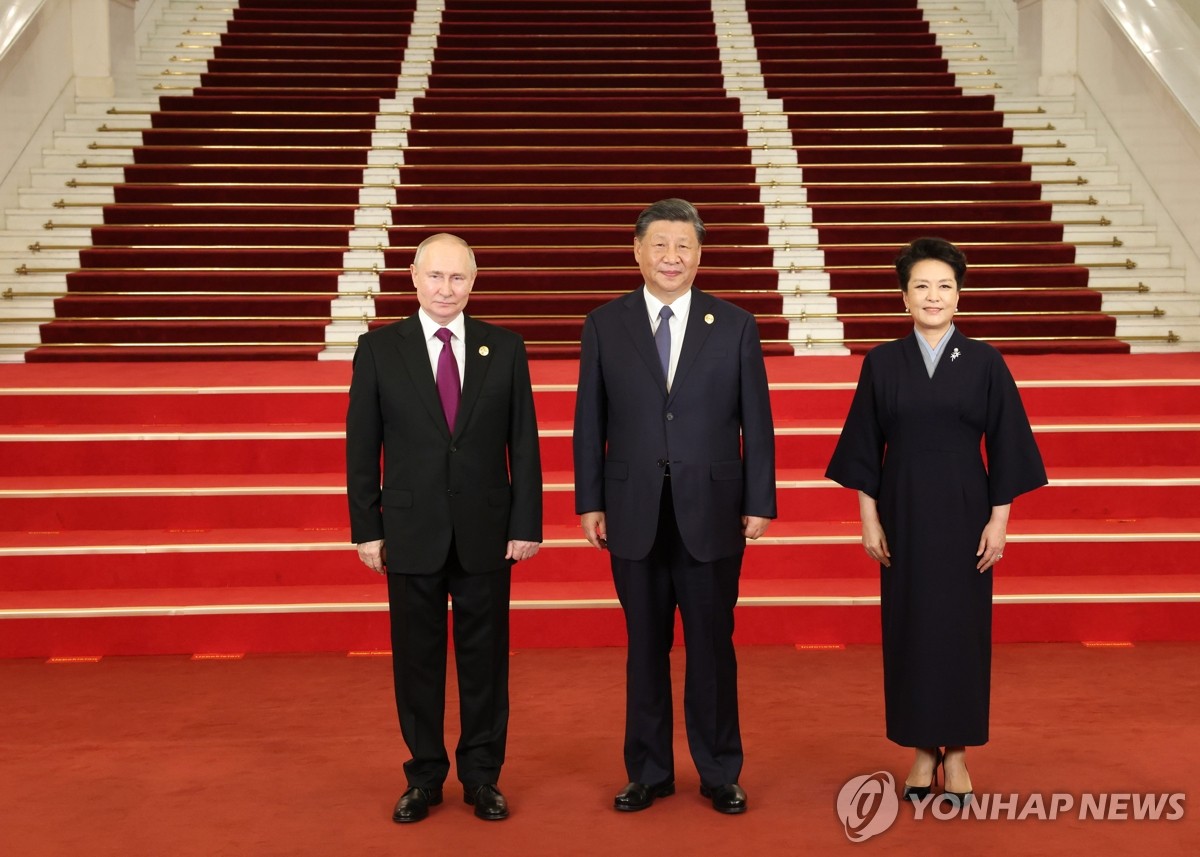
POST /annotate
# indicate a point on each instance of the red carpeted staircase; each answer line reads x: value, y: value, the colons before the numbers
x: 815, y: 137
x: 201, y: 508
x: 229, y: 233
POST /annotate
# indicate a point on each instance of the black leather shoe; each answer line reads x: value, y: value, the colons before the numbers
x: 729, y: 799
x: 414, y: 804
x: 489, y: 804
x: 639, y: 796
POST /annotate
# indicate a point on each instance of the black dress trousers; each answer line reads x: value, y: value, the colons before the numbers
x: 705, y: 593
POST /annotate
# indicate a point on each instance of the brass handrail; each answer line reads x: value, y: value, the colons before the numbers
x: 1169, y: 337
x: 10, y: 293
x: 50, y: 225
x: 132, y: 129
x: 511, y: 167
x: 1035, y: 111
x: 761, y: 147
x: 1156, y: 312
x: 525, y: 269
x: 39, y: 247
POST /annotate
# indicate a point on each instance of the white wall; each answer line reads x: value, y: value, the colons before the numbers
x: 47, y: 64
x: 1146, y: 102
x: 1192, y: 8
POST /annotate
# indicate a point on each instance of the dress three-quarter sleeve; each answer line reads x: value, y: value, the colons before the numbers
x: 1014, y: 461
x: 857, y: 460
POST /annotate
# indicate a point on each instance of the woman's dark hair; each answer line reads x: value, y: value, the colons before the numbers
x: 670, y: 209
x: 930, y: 248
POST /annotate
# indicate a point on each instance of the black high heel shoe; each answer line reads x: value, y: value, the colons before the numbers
x: 919, y: 793
x: 956, y: 799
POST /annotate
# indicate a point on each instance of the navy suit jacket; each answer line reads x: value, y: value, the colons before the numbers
x: 480, y: 484
x: 714, y: 427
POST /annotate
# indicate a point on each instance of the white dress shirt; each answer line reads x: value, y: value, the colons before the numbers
x: 680, y: 308
x: 458, y: 342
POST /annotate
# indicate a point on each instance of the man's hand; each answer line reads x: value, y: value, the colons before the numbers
x: 753, y: 526
x: 519, y: 550
x: 373, y: 555
x: 595, y: 529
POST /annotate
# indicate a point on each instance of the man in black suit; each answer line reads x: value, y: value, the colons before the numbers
x: 674, y: 470
x: 460, y: 501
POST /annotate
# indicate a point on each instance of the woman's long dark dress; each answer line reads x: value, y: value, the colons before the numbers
x: 913, y: 443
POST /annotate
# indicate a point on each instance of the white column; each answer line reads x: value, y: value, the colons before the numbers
x: 102, y: 45
x: 1048, y: 43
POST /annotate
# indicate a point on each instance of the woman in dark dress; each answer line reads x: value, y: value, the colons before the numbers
x: 934, y: 516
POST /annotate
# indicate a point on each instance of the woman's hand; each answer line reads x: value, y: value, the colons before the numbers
x: 993, y: 539
x: 873, y: 538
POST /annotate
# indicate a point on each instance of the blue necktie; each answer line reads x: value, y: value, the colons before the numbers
x: 662, y: 339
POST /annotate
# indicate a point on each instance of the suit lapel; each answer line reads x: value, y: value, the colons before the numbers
x: 698, y: 329
x: 414, y: 353
x: 637, y: 323
x: 478, y: 361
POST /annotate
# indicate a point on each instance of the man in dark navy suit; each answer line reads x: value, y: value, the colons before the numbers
x: 674, y: 470
x: 460, y: 500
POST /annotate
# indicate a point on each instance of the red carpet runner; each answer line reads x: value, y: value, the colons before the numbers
x: 543, y: 130
x: 891, y: 149
x: 230, y: 228
x: 543, y: 133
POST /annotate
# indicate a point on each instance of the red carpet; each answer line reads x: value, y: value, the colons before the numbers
x: 301, y: 755
x: 200, y: 507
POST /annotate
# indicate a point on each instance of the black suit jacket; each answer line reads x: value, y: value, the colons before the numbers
x: 480, y: 484
x: 714, y: 428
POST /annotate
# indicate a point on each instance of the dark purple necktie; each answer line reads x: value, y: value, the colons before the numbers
x: 662, y: 340
x: 449, y: 388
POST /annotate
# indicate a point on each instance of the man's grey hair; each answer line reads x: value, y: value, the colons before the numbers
x: 445, y: 236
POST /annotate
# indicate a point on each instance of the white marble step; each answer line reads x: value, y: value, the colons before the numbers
x: 1054, y: 157
x: 165, y: 54
x: 1045, y: 106
x: 953, y: 27
x: 1060, y: 122
x: 993, y: 45
x: 10, y: 260
x: 206, y: 18
x: 27, y: 310
x: 172, y: 72
x: 1185, y: 330
x: 82, y: 141
x: 1127, y: 236
x: 14, y: 240
x: 32, y: 218
x: 1100, y: 175
x: 50, y: 178
x: 23, y: 334
x: 31, y: 285
x: 1173, y: 304
x: 190, y: 32
x: 1153, y: 257
x: 1157, y: 279
x: 988, y: 74
x: 1117, y: 215
x: 102, y: 106
x: 1071, y: 139
x: 73, y: 162
x: 1102, y: 194
x: 45, y: 198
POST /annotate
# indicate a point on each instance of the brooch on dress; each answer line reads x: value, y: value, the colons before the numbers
x: 955, y: 354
